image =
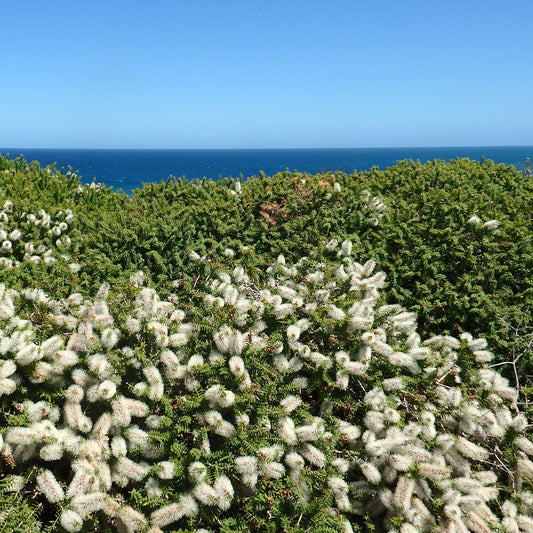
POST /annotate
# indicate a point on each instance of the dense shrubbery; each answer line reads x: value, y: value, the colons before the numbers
x: 161, y: 368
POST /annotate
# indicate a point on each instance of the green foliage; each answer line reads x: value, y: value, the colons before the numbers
x: 458, y: 274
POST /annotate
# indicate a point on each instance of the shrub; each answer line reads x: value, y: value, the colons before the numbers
x: 295, y: 398
x: 207, y: 386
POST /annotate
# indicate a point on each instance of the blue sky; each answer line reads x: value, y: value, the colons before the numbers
x: 265, y: 74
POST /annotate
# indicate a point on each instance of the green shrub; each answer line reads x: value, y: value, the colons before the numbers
x: 165, y: 370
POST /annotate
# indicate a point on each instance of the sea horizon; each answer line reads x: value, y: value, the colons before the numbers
x: 128, y: 168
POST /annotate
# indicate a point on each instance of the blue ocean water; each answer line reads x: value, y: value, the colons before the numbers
x: 129, y: 169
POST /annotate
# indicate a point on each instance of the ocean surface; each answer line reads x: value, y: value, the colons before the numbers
x: 129, y: 169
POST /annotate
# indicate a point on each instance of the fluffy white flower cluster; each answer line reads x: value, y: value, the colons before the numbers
x: 296, y: 376
x: 489, y: 225
x: 20, y: 233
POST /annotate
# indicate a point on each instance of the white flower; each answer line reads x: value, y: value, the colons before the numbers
x: 224, y: 490
x: 246, y: 465
x: 71, y: 521
x: 331, y: 245
x: 371, y: 473
x: 86, y: 504
x: 337, y: 485
x: 167, y: 469
x: 197, y: 472
x: 205, y: 493
x: 294, y: 460
x: 273, y: 469
x: 130, y: 469
x: 346, y: 248
x: 286, y: 430
x: 313, y: 455
x: 50, y: 487
x: 218, y: 396
x: 236, y: 366
x: 336, y: 313
x: 109, y: 338
x: 491, y: 225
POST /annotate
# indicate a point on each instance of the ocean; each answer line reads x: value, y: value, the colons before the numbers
x: 129, y: 169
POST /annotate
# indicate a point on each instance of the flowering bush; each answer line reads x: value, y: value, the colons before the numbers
x: 295, y: 400
x: 33, y: 237
x: 208, y: 388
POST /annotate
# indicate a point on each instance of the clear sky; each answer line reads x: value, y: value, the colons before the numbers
x: 265, y: 74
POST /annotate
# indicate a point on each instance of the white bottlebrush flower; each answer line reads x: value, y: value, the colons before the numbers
x: 283, y: 310
x: 194, y: 361
x: 331, y: 245
x: 107, y: 389
x: 403, y: 492
x: 525, y: 444
x: 393, y: 384
x: 225, y: 492
x: 483, y: 356
x: 370, y: 472
x: 246, y: 465
x: 473, y: 220
x: 337, y: 485
x: 186, y: 506
x: 336, y: 313
x: 50, y: 487
x: 346, y: 248
x: 400, y: 462
x: 272, y: 469
x: 99, y: 364
x: 470, y: 450
x: 205, y: 493
x: 294, y: 461
x: 131, y: 519
x: 218, y: 396
x: 236, y: 366
x: 153, y: 488
x: 225, y: 429
x: 131, y: 469
x: 119, y: 446
x: 71, y: 521
x: 222, y: 339
x: 7, y: 368
x: 51, y: 452
x: 310, y: 432
x: 19, y: 435
x: 132, y: 325
x: 66, y: 357
x: 109, y: 338
x: 166, y: 469
x: 525, y: 523
x: 313, y: 455
x: 197, y: 472
x: 433, y: 471
x: 242, y: 419
x: 28, y: 354
x: 86, y: 504
x: 491, y: 225
x: 341, y: 464
x: 286, y: 430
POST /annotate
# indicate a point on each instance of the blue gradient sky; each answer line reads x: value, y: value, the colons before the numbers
x: 243, y: 74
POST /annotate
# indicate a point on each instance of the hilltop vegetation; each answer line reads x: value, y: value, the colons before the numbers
x: 292, y: 353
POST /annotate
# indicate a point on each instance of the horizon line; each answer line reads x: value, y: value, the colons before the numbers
x: 281, y: 148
